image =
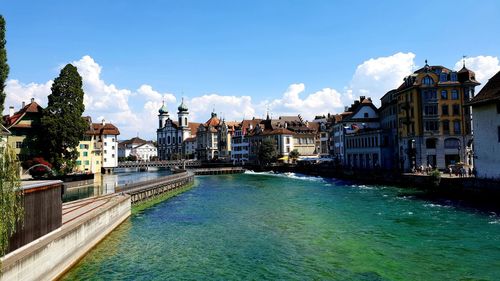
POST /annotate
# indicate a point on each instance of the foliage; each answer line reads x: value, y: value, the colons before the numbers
x: 294, y: 155
x: 62, y: 120
x: 4, y: 67
x: 39, y: 171
x: 131, y: 158
x: 267, y: 152
x: 11, y: 204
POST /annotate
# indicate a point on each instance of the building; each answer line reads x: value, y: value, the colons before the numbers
x: 368, y: 149
x: 240, y: 141
x: 125, y: 147
x: 172, y: 134
x: 4, y: 133
x: 89, y: 154
x: 189, y: 148
x: 434, y: 126
x: 207, y: 139
x: 362, y: 114
x: 106, y: 141
x: 24, y: 126
x: 388, y: 113
x: 145, y: 152
x: 486, y: 127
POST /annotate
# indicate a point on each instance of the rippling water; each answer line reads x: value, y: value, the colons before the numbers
x: 289, y: 227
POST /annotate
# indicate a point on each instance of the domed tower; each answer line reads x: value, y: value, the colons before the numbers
x: 163, y: 115
x: 183, y: 114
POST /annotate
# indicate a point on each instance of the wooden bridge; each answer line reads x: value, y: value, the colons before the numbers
x: 160, y: 164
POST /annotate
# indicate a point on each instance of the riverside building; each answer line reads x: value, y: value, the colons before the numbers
x: 434, y: 126
x: 486, y: 117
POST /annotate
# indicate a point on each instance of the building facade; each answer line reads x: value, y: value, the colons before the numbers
x: 207, y: 139
x: 486, y: 117
x: 172, y: 134
x: 434, y: 126
x: 145, y: 152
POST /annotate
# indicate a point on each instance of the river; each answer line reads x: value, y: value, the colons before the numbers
x: 292, y: 227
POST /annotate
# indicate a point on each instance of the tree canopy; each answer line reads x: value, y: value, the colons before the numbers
x: 62, y: 120
x: 294, y: 155
x: 4, y: 67
x: 267, y: 152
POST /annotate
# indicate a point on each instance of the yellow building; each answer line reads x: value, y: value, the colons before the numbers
x: 434, y: 126
x: 24, y: 127
x: 89, y: 153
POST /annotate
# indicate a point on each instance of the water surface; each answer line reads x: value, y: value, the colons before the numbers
x: 288, y: 227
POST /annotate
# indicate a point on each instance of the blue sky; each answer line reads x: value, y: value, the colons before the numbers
x: 213, y: 51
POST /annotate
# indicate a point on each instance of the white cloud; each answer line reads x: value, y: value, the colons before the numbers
x: 484, y: 67
x: 148, y: 92
x: 231, y: 107
x: 318, y: 103
x: 375, y: 77
x: 18, y: 92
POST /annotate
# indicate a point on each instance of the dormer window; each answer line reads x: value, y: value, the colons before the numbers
x: 443, y: 77
x: 453, y: 76
x: 427, y: 81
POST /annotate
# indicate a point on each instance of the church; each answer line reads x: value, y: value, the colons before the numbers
x: 171, y: 135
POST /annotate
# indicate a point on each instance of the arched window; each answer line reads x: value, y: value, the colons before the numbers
x: 185, y: 121
x: 451, y: 143
x: 427, y: 80
x: 366, y: 115
x: 180, y: 139
x: 168, y: 139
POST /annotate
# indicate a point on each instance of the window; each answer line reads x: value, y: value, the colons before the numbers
x: 444, y: 94
x: 87, y: 162
x: 430, y: 143
x: 168, y: 139
x: 105, y: 160
x: 430, y: 95
x: 431, y: 125
x: 81, y: 146
x: 454, y: 95
x: 430, y: 110
x: 446, y: 127
x: 85, y: 153
x: 19, y: 144
x: 456, y: 109
x: 365, y: 115
x: 444, y: 110
x: 180, y: 140
x: 451, y: 143
x: 456, y: 127
x: 428, y: 81
x: 112, y: 156
x: 78, y: 162
x: 105, y: 143
x: 443, y: 77
x: 453, y: 76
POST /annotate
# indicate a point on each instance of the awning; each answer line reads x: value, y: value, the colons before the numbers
x: 284, y: 158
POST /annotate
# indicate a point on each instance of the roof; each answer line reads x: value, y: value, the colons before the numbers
x: 134, y: 140
x: 193, y: 127
x: 191, y: 139
x: 146, y: 143
x: 213, y: 121
x: 490, y: 91
x: 106, y: 129
x: 12, y: 121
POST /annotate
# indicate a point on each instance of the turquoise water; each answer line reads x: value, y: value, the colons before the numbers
x: 288, y: 227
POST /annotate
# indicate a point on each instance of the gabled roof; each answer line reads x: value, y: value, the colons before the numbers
x: 4, y: 131
x: 134, y: 140
x: 13, y: 121
x: 490, y: 91
x: 193, y: 127
x: 106, y: 129
x: 213, y: 121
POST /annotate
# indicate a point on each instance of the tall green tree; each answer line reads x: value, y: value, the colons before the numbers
x: 267, y: 152
x: 294, y: 155
x: 11, y: 204
x: 4, y: 67
x: 62, y: 120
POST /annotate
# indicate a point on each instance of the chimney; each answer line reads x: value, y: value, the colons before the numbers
x: 103, y: 122
x: 23, y: 104
x: 361, y: 98
x: 11, y: 111
x: 32, y: 100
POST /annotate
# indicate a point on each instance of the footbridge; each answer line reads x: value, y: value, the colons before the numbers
x: 159, y: 164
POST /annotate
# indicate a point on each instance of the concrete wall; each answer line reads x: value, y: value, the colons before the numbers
x: 50, y: 256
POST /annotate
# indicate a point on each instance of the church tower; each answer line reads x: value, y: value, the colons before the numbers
x: 163, y: 115
x: 183, y: 115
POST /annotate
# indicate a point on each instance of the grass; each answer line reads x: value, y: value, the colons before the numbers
x: 141, y: 206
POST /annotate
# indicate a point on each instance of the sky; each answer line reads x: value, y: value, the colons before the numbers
x: 239, y: 58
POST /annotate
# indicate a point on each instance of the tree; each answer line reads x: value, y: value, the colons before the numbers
x: 294, y: 155
x: 62, y: 120
x: 4, y: 67
x: 267, y: 152
x: 11, y: 204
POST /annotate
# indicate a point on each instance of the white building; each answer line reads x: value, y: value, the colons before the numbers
x: 240, y: 141
x: 107, y: 142
x: 125, y: 147
x: 172, y: 134
x: 145, y: 152
x: 486, y: 129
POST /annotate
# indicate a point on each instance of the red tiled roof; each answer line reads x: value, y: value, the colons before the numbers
x: 193, y: 127
x: 107, y: 129
x: 32, y: 107
x: 213, y: 121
